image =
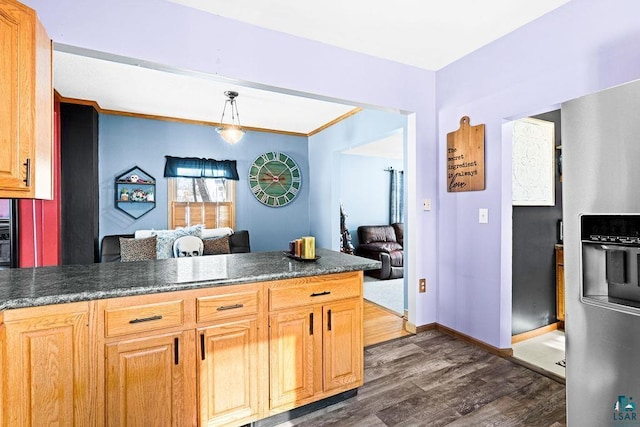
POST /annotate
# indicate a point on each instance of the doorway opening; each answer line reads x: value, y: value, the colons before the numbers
x: 321, y: 221
x: 375, y: 167
x: 537, y: 251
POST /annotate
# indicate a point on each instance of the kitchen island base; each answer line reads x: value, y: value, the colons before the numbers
x: 220, y: 355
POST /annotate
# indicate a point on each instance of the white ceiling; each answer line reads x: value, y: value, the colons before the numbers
x: 123, y: 87
x: 388, y: 147
x: 428, y: 34
x: 425, y: 33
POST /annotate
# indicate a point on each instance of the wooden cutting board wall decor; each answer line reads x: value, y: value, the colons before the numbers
x: 465, y: 158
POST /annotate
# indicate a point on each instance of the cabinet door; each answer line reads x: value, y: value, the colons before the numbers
x: 343, y: 351
x: 151, y: 381
x: 560, y: 284
x: 26, y: 104
x: 16, y: 28
x: 229, y: 373
x: 46, y: 369
x: 293, y: 340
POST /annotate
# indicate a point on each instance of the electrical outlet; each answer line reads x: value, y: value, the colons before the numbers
x: 422, y: 283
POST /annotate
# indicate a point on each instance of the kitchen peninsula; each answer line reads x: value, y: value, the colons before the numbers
x: 214, y: 340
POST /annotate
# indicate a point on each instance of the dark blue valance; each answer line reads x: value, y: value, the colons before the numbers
x: 193, y: 167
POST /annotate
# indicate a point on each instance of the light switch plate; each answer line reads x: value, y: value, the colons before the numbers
x: 426, y: 204
x: 483, y: 216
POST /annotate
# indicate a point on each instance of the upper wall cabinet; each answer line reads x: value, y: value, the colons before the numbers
x: 26, y: 104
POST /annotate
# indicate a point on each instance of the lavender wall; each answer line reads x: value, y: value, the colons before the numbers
x: 579, y: 48
x: 173, y: 35
x: 582, y: 47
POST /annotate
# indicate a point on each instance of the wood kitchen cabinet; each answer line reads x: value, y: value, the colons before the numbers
x: 149, y: 372
x: 293, y: 356
x: 342, y: 344
x: 46, y: 367
x: 560, y: 283
x: 185, y: 358
x: 150, y: 381
x: 231, y: 373
x: 26, y: 104
x: 220, y: 356
x: 315, y: 347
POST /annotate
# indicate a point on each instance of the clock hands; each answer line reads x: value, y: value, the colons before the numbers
x: 273, y: 182
x: 275, y: 176
x: 275, y: 179
x: 271, y: 177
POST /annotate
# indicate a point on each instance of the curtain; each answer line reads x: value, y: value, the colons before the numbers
x: 396, y: 202
x: 193, y: 167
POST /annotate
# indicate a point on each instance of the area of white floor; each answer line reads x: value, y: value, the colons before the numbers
x: 544, y: 351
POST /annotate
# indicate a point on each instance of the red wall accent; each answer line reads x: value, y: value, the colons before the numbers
x: 41, y: 218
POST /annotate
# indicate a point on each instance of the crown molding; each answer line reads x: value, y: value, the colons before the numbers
x: 101, y: 110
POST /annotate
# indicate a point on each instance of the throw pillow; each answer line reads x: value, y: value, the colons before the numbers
x: 167, y: 237
x: 137, y: 249
x: 217, y: 246
x: 214, y: 233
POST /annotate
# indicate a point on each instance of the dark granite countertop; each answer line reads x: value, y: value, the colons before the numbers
x: 30, y: 287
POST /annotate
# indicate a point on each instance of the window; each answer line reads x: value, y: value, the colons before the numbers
x: 201, y: 191
x: 205, y: 201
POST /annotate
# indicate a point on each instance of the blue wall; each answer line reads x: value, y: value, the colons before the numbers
x: 125, y: 142
x: 325, y: 148
x: 365, y: 190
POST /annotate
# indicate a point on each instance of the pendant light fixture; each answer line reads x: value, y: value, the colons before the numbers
x: 231, y: 132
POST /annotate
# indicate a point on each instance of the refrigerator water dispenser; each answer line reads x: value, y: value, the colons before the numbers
x: 610, y: 260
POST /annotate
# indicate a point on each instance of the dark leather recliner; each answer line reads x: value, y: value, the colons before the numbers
x: 383, y: 243
x: 110, y: 247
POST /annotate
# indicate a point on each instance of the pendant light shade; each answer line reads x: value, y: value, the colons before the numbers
x: 231, y: 132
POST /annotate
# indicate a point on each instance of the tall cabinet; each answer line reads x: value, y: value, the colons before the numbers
x: 26, y: 104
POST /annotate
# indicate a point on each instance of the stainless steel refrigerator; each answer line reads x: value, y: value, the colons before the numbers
x: 601, y: 215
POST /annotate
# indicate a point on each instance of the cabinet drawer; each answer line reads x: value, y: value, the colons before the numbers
x: 142, y: 318
x: 232, y: 304
x: 315, y: 292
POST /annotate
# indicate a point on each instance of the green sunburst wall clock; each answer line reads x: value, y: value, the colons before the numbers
x: 275, y: 179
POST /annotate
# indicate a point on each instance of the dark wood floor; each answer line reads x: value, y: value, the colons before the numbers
x: 433, y: 379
